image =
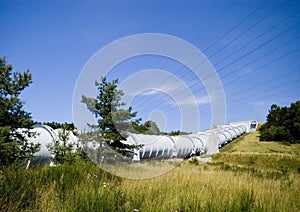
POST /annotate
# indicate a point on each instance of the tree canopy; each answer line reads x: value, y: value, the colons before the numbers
x: 149, y: 128
x: 56, y: 125
x: 283, y: 124
x: 113, y: 118
x: 13, y: 143
x: 63, y: 151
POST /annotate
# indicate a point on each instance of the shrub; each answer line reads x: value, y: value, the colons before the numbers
x: 283, y: 124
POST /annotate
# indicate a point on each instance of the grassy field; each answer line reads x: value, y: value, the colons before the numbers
x: 248, y: 151
x: 247, y: 175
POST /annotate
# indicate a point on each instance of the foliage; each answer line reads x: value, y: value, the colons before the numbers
x: 230, y: 183
x: 56, y: 125
x: 113, y: 119
x: 83, y: 186
x: 63, y: 150
x: 13, y: 143
x: 283, y: 124
x: 178, y: 132
x: 247, y: 150
x: 149, y: 128
x: 30, y: 190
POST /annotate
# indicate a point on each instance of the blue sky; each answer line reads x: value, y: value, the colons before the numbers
x: 253, y: 46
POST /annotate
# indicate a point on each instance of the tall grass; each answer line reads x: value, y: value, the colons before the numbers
x: 189, y: 187
x: 236, y: 180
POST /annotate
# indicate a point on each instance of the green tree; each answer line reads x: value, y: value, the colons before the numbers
x: 113, y: 119
x: 13, y: 143
x: 149, y: 128
x: 283, y: 124
x: 62, y: 149
x: 176, y: 133
x: 56, y: 125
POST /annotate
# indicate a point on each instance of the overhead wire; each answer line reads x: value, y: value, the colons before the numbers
x: 237, y: 25
x: 233, y: 103
x: 203, y: 30
x: 260, y: 46
x: 226, y: 33
x: 257, y: 37
x: 265, y: 43
x: 248, y: 29
x: 254, y: 87
x: 251, y: 62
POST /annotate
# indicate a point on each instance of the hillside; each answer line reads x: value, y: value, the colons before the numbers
x: 248, y: 151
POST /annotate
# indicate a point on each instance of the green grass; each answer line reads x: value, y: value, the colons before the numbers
x: 249, y: 143
x: 249, y: 151
x: 247, y: 175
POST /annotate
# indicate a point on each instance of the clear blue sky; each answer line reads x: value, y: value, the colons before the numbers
x: 253, y: 45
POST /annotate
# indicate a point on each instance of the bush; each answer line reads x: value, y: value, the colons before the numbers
x: 283, y: 124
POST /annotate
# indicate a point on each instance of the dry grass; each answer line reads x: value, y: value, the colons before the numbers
x: 249, y: 143
x: 204, y: 187
x: 249, y: 151
x: 247, y: 175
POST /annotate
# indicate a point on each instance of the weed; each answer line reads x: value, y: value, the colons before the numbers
x: 283, y: 170
x: 246, y: 177
x: 194, y: 161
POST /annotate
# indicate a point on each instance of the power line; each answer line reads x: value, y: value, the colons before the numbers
x: 264, y: 55
x: 260, y: 68
x: 266, y: 64
x: 264, y: 83
x: 257, y: 37
x: 264, y: 91
x: 270, y: 95
x: 237, y: 25
x: 248, y: 29
x: 273, y: 61
x: 256, y: 59
x: 246, y: 90
x: 260, y: 92
x: 226, y: 33
x: 259, y: 58
x: 260, y: 46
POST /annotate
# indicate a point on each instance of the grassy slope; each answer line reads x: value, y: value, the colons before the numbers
x: 246, y: 175
x: 249, y: 151
x: 249, y: 143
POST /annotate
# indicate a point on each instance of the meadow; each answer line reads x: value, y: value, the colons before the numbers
x: 247, y: 175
